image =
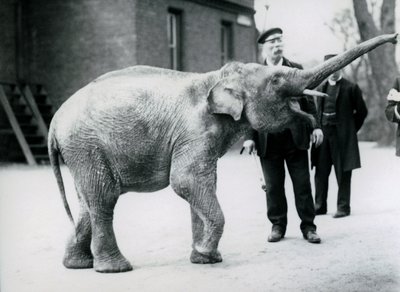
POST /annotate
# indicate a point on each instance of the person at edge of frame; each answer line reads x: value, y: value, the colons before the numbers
x: 392, y: 110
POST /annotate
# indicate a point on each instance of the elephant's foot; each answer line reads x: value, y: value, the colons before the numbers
x: 77, y: 258
x: 78, y: 263
x: 115, y: 265
x: 211, y: 258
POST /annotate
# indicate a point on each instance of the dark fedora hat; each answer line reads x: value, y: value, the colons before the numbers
x: 261, y: 39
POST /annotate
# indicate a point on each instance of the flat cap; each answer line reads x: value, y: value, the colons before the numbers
x: 327, y: 57
x: 261, y: 39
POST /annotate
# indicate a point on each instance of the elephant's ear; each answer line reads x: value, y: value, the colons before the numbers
x: 225, y: 98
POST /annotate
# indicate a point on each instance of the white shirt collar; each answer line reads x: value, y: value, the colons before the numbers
x: 333, y: 82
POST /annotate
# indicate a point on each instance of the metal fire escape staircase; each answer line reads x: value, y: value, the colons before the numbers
x: 29, y: 114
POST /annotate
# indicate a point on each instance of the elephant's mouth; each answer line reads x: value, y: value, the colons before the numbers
x: 294, y: 106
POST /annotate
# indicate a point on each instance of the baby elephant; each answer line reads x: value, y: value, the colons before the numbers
x: 143, y: 128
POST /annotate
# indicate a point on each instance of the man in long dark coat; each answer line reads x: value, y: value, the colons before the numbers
x: 288, y: 146
x: 341, y: 116
x: 392, y: 110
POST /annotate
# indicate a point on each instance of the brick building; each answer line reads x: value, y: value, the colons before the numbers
x: 64, y: 44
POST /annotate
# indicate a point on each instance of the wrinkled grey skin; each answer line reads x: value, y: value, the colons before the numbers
x: 142, y: 128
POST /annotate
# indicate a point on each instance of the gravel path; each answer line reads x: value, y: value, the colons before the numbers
x: 358, y: 253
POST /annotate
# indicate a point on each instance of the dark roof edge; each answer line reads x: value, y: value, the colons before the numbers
x: 225, y: 5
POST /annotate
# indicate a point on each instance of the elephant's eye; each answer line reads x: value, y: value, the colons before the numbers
x: 275, y: 80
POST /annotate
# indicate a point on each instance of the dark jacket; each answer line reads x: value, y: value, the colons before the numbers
x: 390, y: 115
x: 300, y: 131
x: 351, y: 112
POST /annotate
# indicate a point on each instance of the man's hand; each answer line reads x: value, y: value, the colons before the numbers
x: 317, y: 137
x: 393, y: 95
x: 249, y: 145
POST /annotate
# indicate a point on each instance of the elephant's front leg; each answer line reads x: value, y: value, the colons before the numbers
x: 203, y: 252
x: 196, y: 183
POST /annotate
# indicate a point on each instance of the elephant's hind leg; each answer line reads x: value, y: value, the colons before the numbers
x: 107, y: 256
x: 101, y: 202
x: 99, y: 191
x: 77, y: 253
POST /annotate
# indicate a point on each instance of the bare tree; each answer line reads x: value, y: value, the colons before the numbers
x: 382, y: 61
x: 344, y: 27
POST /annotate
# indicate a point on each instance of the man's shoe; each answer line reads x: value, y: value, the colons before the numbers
x: 340, y: 214
x: 276, y: 235
x: 320, y: 212
x: 312, y: 237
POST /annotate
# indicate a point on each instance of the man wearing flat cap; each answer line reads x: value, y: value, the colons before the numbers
x: 272, y: 50
x: 341, y: 115
x: 288, y: 146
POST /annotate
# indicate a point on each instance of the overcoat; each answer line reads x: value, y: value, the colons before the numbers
x: 351, y: 112
x: 390, y: 115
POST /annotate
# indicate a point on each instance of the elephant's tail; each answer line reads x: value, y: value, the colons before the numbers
x: 54, y: 154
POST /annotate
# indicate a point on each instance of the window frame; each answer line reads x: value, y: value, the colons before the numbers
x: 226, y: 42
x: 174, y: 36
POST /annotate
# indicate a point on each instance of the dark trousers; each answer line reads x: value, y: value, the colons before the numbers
x: 328, y: 155
x: 281, y: 149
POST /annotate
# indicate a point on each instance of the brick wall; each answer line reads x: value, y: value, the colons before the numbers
x: 66, y: 44
x: 201, y: 35
x: 69, y: 43
x: 7, y: 38
x: 248, y: 3
x: 7, y: 61
x: 73, y: 42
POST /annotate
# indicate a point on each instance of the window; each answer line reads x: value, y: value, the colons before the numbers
x: 226, y: 42
x: 174, y: 27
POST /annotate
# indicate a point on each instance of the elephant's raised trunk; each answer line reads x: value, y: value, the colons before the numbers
x: 316, y: 75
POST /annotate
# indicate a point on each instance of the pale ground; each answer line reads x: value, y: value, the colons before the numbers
x: 358, y: 253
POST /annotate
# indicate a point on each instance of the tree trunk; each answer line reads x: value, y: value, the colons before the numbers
x: 382, y: 60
